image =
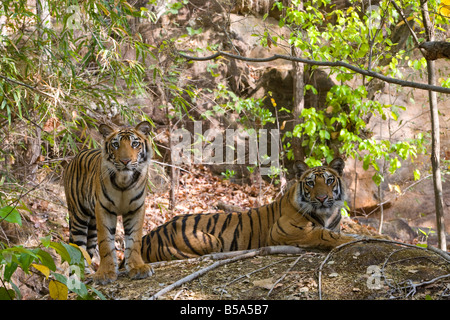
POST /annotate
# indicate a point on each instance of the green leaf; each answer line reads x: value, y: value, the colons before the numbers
x: 394, y: 115
x: 46, y: 241
x: 324, y: 134
x: 25, y: 260
x: 192, y: 31
x: 11, y: 215
x: 377, y: 178
x: 9, y: 270
x: 98, y: 293
x: 310, y: 128
x: 46, y: 259
x: 75, y: 285
x: 75, y: 254
x: 7, y: 294
x: 394, y: 165
x: 60, y: 278
x: 61, y: 250
x: 416, y: 174
x: 362, y: 50
x: 312, y: 88
x: 366, y: 162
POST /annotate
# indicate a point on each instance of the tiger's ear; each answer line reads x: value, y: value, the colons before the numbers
x: 105, y: 130
x: 299, y: 168
x: 145, y: 127
x: 337, y: 164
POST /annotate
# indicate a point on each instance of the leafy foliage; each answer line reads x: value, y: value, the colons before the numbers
x: 58, y: 80
x: 361, y: 38
x: 41, y: 260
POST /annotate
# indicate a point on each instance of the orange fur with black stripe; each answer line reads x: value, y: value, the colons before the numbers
x: 308, y: 216
x: 101, y: 184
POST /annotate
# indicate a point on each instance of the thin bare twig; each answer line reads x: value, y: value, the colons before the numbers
x: 250, y: 273
x: 285, y: 274
x: 27, y: 86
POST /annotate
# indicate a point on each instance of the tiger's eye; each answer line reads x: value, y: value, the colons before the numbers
x: 310, y: 183
x: 330, y: 181
x: 135, y: 144
x: 115, y: 145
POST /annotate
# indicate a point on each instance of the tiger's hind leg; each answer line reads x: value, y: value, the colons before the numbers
x: 83, y: 233
x: 91, y: 246
x: 106, y: 232
x: 79, y: 229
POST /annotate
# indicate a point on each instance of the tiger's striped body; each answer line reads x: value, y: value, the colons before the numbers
x: 308, y: 215
x: 101, y: 184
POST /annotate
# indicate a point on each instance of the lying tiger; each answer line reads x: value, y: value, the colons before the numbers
x: 308, y: 216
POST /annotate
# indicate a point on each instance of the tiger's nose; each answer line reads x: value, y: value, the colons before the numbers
x: 125, y: 161
x: 322, y: 197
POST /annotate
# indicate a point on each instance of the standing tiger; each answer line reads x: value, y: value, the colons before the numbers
x: 101, y: 184
x: 308, y: 215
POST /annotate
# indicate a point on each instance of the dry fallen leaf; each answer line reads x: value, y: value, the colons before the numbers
x: 333, y: 275
x: 264, y: 283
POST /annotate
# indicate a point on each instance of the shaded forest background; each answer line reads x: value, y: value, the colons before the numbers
x: 66, y: 67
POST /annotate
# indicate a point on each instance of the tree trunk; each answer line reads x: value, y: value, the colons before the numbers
x: 435, y: 134
x: 434, y: 50
x: 174, y: 172
x: 299, y: 101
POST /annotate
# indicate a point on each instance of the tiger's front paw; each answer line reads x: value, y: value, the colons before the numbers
x: 140, y: 272
x: 104, y: 277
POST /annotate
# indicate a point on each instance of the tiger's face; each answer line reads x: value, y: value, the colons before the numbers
x: 126, y: 149
x: 320, y: 190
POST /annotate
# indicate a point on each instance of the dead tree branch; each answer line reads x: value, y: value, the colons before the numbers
x: 403, y: 83
x: 244, y: 255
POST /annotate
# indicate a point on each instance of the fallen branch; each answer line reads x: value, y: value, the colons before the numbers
x: 240, y: 256
x: 442, y: 253
x: 368, y: 73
